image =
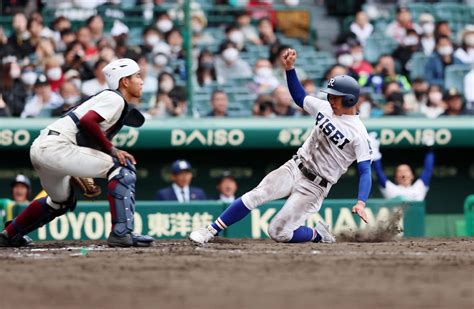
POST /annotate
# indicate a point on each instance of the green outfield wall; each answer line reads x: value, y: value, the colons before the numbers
x: 250, y: 148
x: 91, y: 220
x: 253, y: 133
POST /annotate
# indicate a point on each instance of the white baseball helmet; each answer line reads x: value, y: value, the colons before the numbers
x: 117, y: 69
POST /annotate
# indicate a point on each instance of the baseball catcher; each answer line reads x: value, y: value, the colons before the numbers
x: 78, y: 145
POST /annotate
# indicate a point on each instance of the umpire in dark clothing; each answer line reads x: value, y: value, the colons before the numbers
x: 180, y: 190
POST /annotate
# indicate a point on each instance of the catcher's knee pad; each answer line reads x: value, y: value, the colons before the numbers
x: 121, y: 195
x: 278, y: 232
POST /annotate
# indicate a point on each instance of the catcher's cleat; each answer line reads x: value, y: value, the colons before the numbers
x: 129, y: 240
x: 21, y: 242
x: 202, y: 235
x: 323, y: 231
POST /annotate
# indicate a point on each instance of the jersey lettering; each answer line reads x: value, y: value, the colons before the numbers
x: 328, y: 128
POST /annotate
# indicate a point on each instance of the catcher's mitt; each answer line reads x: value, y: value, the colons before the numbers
x: 87, y: 185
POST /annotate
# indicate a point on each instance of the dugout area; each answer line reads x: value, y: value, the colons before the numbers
x: 240, y: 273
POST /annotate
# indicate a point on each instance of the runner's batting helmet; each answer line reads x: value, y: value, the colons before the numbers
x: 346, y: 87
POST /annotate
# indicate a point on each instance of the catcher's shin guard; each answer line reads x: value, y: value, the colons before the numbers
x: 37, y: 214
x: 121, y: 196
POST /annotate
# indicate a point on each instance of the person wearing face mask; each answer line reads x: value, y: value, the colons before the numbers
x: 264, y: 81
x: 54, y: 72
x: 441, y: 58
x: 403, y: 53
x: 236, y: 36
x: 250, y: 32
x: 71, y: 96
x: 229, y: 65
x: 418, y: 97
x: 12, y: 88
x: 427, y: 40
x: 404, y: 186
x: 360, y: 66
x: 206, y: 71
x: 398, y: 28
x: 345, y: 59
x: 454, y: 104
x: 160, y: 102
x: 465, y: 52
x: 151, y: 37
x: 435, y: 105
x: 164, y: 23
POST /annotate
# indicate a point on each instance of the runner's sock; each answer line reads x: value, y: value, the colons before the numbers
x: 234, y: 213
x: 305, y: 234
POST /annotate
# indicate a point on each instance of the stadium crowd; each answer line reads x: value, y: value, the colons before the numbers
x: 47, y: 66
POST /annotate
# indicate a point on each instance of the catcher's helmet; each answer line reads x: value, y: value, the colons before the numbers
x: 346, y: 87
x: 118, y: 69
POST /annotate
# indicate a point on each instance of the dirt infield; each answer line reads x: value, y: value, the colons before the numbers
x: 241, y: 273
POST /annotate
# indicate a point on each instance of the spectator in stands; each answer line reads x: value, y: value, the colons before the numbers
x: 398, y: 28
x: 404, y: 187
x: 98, y: 83
x: 60, y: 24
x: 414, y: 100
x: 219, y: 103
x: 95, y: 23
x: 236, y: 36
x: 150, y: 84
x: 439, y: 60
x: 43, y: 102
x: 174, y: 39
x: 442, y: 28
x: 361, y: 27
x: 4, y: 110
x: 264, y: 106
x: 226, y: 187
x: 465, y: 52
x: 74, y: 59
x: 70, y: 94
x: 52, y: 67
x: 345, y: 59
x: 12, y: 89
x: 19, y: 40
x: 427, y: 40
x: 206, y: 71
x: 335, y: 70
x: 309, y: 87
x: 162, y: 101
x: 283, y: 102
x: 395, y: 104
x: 435, y: 105
x: 164, y: 24
x: 454, y: 103
x: 264, y: 81
x: 28, y: 78
x: 84, y: 36
x: 384, y: 72
x: 367, y: 108
x: 45, y: 49
x: 119, y: 33
x: 66, y: 37
x: 198, y: 25
x: 180, y: 190
x: 469, y: 90
x: 250, y: 32
x: 359, y: 65
x: 406, y: 49
x: 229, y: 65
x: 266, y: 33
x: 20, y: 189
x: 151, y: 37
